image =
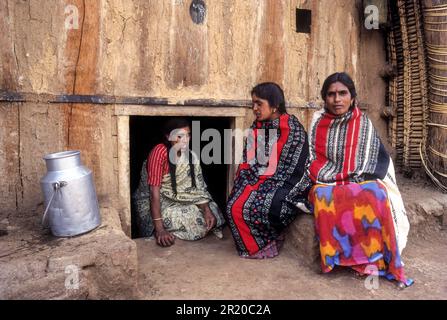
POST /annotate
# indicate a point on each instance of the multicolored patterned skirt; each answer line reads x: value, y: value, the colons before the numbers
x: 355, y: 228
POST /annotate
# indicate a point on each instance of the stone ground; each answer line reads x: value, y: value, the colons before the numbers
x: 211, y: 269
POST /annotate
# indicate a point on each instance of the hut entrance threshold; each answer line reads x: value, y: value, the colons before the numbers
x: 134, y: 120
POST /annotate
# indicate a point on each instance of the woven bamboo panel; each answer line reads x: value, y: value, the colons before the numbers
x: 434, y: 150
x: 407, y: 91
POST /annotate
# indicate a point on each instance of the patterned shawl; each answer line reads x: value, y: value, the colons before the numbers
x: 267, y: 190
x: 186, y: 194
x: 347, y: 149
x: 286, y: 157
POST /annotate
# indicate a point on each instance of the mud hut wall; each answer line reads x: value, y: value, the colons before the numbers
x: 152, y: 48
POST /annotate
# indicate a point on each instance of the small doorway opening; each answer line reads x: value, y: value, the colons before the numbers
x: 146, y: 131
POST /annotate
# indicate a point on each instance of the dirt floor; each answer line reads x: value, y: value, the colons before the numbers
x: 33, y: 264
x: 211, y: 269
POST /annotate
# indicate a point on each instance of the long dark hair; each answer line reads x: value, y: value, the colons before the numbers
x: 170, y: 125
x: 342, y: 77
x: 271, y: 92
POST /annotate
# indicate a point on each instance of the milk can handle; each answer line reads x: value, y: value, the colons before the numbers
x: 56, y: 187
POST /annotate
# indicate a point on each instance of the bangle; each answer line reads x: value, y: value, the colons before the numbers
x: 157, y: 219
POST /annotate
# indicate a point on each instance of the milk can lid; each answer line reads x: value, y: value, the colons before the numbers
x: 63, y: 154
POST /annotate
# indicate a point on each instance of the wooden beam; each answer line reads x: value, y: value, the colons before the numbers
x: 124, y: 173
x: 7, y: 96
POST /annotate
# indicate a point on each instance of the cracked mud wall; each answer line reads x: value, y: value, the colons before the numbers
x: 152, y: 48
x: 10, y: 188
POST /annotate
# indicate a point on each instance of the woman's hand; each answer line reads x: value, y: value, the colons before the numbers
x: 210, y: 219
x: 164, y: 238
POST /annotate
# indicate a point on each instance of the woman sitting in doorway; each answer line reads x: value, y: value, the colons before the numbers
x: 172, y: 199
x: 359, y: 214
x: 270, y: 181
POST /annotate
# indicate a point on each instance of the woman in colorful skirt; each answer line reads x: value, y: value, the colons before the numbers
x: 359, y: 214
x: 270, y: 181
x: 172, y: 199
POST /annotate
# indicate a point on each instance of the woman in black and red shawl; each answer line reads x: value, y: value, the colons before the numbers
x: 270, y: 182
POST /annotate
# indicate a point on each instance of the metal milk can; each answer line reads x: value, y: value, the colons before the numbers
x: 70, y: 196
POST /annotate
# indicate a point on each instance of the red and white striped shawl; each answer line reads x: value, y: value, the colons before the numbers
x: 345, y: 149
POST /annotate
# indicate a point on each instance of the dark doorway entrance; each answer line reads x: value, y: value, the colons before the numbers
x: 145, y: 132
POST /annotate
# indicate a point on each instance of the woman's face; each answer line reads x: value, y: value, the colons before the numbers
x: 262, y: 109
x: 338, y: 99
x: 180, y: 138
